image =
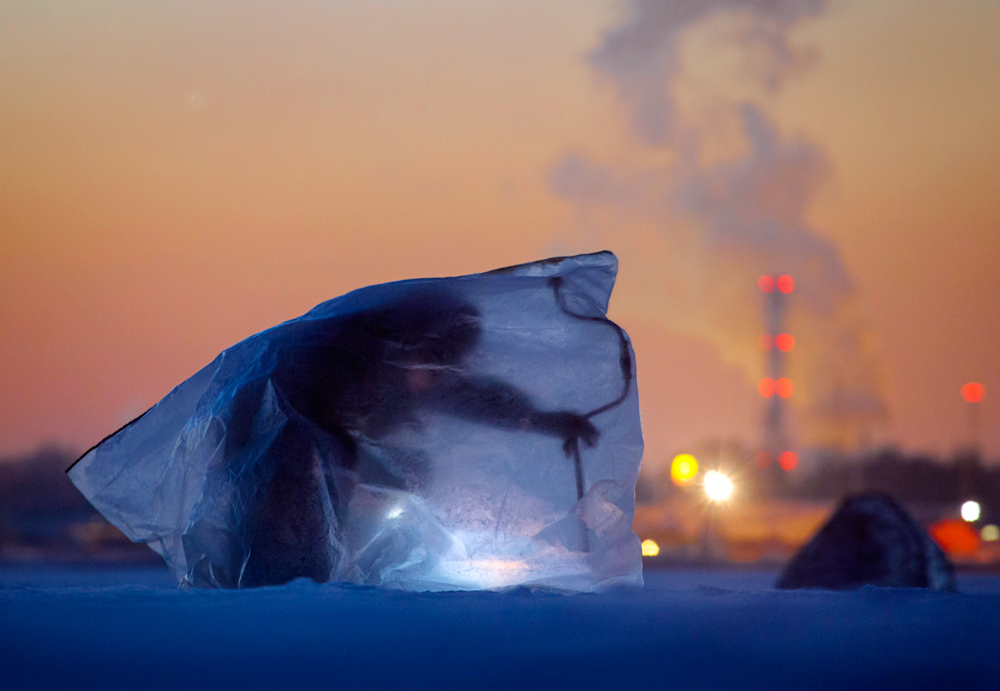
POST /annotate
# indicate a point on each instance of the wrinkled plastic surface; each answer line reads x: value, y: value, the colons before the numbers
x: 426, y: 435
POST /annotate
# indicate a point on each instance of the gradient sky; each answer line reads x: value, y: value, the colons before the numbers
x: 177, y: 176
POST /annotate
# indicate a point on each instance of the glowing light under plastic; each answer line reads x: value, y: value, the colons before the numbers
x: 718, y: 487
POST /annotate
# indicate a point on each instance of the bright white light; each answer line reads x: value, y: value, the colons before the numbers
x: 650, y: 548
x: 990, y: 533
x: 718, y: 487
x: 970, y: 511
x: 394, y: 512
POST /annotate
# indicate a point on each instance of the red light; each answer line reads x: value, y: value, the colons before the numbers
x: 766, y: 387
x: 788, y: 460
x: 786, y: 284
x: 785, y: 342
x: 766, y: 283
x: 765, y: 342
x: 974, y: 392
x: 784, y: 387
x: 955, y: 536
x: 763, y: 460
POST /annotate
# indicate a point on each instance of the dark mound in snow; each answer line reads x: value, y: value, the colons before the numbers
x: 870, y: 540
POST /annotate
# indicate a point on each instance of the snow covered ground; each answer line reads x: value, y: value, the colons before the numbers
x: 688, y: 629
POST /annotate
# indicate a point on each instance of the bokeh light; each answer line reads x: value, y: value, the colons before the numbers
x: 766, y: 283
x: 718, y: 487
x: 971, y: 511
x: 786, y: 284
x: 974, y: 392
x: 955, y: 537
x: 683, y: 469
x: 784, y: 387
x: 766, y: 387
x: 649, y: 548
x: 785, y: 342
x: 788, y: 460
x: 990, y: 533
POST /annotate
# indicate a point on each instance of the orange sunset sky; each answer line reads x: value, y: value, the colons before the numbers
x: 175, y: 176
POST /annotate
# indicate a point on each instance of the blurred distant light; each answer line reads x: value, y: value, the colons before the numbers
x: 766, y: 283
x: 649, y: 548
x: 766, y: 387
x: 956, y: 537
x: 784, y: 387
x: 763, y: 460
x: 970, y: 511
x: 683, y: 469
x: 765, y: 342
x: 990, y: 533
x: 785, y: 342
x: 786, y: 284
x: 974, y: 392
x: 718, y: 487
x: 788, y: 460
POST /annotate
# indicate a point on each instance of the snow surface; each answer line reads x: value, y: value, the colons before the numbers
x: 134, y: 629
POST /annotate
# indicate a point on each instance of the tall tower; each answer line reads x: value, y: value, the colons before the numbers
x: 776, y: 387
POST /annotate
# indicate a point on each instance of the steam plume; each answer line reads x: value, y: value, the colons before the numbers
x: 729, y: 220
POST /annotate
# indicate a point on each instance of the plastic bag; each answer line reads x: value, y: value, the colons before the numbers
x: 458, y: 433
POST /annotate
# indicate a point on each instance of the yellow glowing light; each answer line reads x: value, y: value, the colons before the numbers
x: 970, y: 511
x: 990, y: 533
x: 649, y: 548
x: 683, y: 469
x: 718, y: 487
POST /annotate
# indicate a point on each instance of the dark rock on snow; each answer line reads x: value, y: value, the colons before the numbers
x: 870, y: 540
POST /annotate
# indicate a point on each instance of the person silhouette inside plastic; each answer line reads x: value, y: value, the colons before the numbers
x: 347, y: 382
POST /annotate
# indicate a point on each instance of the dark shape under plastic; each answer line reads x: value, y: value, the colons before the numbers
x: 870, y: 540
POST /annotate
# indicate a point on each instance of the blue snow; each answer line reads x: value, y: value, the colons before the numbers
x: 135, y: 629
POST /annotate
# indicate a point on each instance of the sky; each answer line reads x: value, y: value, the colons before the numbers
x: 175, y: 177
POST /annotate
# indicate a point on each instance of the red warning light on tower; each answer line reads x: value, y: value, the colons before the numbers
x: 786, y: 284
x: 974, y: 392
x: 785, y: 342
x: 766, y: 283
x: 766, y: 387
x: 784, y: 387
x: 788, y: 460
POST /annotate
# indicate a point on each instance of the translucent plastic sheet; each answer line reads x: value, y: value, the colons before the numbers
x: 456, y: 433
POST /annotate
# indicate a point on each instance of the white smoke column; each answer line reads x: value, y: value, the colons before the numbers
x: 728, y: 221
x: 641, y: 55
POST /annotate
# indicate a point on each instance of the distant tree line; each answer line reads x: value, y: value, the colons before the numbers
x: 36, y: 485
x: 907, y: 478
